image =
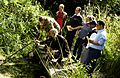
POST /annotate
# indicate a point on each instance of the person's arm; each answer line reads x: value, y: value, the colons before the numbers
x: 64, y: 20
x: 56, y: 15
x: 74, y: 28
x: 56, y: 25
x: 93, y: 42
x: 65, y: 16
x: 65, y: 47
x: 77, y: 28
x: 101, y: 41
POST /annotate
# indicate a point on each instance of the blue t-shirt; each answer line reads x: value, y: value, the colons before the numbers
x: 85, y: 31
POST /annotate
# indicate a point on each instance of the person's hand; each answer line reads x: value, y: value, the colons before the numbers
x: 53, y: 51
x: 69, y: 28
x: 37, y: 42
x: 90, y: 41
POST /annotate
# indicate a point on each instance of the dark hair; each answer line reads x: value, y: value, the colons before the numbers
x: 40, y: 18
x: 101, y: 23
x: 91, y: 17
x: 93, y: 22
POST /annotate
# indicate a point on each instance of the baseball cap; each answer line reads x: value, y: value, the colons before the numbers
x: 94, y: 22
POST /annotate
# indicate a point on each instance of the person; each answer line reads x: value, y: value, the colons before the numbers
x: 81, y: 40
x: 96, y: 45
x: 75, y: 20
x: 89, y: 18
x: 61, y: 16
x: 58, y: 43
x: 47, y: 23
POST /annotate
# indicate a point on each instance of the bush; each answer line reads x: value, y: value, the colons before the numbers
x: 19, y: 21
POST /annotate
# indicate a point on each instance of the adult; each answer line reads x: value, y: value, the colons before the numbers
x: 75, y: 21
x: 81, y: 40
x: 47, y: 23
x: 58, y: 43
x: 96, y: 45
x: 61, y: 16
x: 89, y: 18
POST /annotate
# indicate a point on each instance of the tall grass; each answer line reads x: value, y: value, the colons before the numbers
x: 18, y: 23
x: 109, y: 62
x: 18, y: 26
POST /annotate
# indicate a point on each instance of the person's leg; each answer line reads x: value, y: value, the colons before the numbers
x: 85, y: 42
x: 80, y: 47
x: 76, y: 46
x: 88, y: 62
x: 59, y: 59
x: 92, y: 66
x: 69, y: 37
x: 79, y: 51
x: 93, y: 55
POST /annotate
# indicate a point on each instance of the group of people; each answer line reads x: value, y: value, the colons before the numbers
x: 91, y: 34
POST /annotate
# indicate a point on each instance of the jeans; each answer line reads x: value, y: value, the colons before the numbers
x: 78, y: 47
x: 93, y: 55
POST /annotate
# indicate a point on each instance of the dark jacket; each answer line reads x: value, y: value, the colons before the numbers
x: 75, y: 20
x: 59, y: 43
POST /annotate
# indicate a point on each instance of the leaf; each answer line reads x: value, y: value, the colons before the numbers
x: 5, y: 2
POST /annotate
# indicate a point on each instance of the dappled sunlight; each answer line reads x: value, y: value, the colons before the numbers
x: 5, y: 75
x: 20, y: 28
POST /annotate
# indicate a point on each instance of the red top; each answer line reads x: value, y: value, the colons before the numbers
x: 59, y: 18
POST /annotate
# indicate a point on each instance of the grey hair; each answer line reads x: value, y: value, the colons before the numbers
x: 54, y: 30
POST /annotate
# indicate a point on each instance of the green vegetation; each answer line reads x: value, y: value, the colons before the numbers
x: 18, y: 19
x: 111, y: 55
x: 19, y: 26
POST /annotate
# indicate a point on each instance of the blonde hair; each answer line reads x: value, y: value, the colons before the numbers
x: 79, y: 8
x: 61, y: 5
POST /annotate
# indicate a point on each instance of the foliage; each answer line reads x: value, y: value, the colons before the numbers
x: 109, y: 63
x: 17, y: 20
x: 80, y: 71
x: 111, y: 55
x: 18, y: 28
x: 111, y: 5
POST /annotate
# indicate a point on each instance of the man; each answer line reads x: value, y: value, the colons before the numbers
x: 58, y: 43
x: 47, y: 23
x: 81, y: 40
x: 75, y: 20
x: 96, y: 45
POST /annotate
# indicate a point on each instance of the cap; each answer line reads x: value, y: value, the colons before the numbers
x: 94, y: 22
